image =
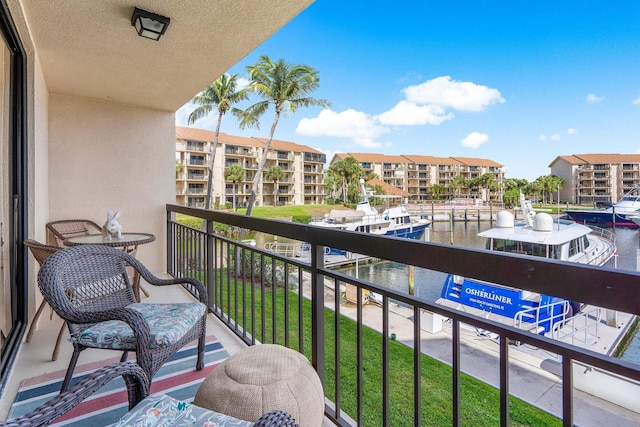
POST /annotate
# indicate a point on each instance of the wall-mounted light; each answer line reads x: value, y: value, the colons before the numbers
x: 148, y: 24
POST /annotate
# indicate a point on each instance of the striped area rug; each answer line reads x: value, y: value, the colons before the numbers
x: 177, y: 378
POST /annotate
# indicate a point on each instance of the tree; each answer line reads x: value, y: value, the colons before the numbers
x: 458, y: 182
x: 436, y: 191
x: 548, y: 184
x: 331, y: 182
x: 234, y: 173
x: 285, y: 86
x: 275, y: 174
x: 179, y: 168
x: 486, y: 182
x: 219, y: 96
x: 349, y: 171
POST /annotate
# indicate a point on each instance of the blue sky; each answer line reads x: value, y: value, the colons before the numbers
x: 515, y: 82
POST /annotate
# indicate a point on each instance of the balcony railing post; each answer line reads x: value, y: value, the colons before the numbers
x: 567, y: 391
x: 210, y: 262
x: 317, y: 310
x: 170, y: 242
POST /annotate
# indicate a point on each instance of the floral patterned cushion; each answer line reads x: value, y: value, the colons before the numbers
x: 168, y: 323
x: 160, y: 410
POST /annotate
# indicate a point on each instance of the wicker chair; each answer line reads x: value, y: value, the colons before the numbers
x: 63, y: 229
x: 60, y: 230
x: 137, y: 389
x: 88, y: 287
x: 41, y: 252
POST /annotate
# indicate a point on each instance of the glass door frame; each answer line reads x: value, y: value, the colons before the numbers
x: 18, y: 191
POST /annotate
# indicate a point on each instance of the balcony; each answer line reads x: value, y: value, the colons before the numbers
x: 197, y: 177
x: 250, y: 288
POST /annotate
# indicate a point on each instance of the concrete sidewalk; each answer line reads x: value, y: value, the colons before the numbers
x: 532, y: 378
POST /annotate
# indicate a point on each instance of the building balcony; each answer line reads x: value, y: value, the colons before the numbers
x: 196, y: 191
x: 298, y: 300
x: 197, y: 177
x: 307, y: 297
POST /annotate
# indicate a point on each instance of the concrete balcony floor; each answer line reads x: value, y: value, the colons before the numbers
x: 34, y: 357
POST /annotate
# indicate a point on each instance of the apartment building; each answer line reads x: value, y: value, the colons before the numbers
x: 596, y: 178
x: 303, y: 167
x: 416, y: 173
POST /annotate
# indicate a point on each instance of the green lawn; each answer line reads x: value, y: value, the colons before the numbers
x: 288, y: 211
x: 480, y: 402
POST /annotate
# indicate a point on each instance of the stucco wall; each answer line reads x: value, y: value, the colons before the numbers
x: 107, y: 156
x: 39, y: 159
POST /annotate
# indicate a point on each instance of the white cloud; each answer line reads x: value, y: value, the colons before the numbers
x: 242, y: 83
x: 542, y: 137
x: 572, y: 131
x: 593, y: 98
x: 555, y: 137
x: 407, y: 113
x: 475, y: 140
x: 447, y: 93
x: 356, y: 125
x: 636, y: 101
x: 182, y: 118
x: 425, y: 104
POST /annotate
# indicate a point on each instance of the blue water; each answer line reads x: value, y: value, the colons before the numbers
x: 428, y: 283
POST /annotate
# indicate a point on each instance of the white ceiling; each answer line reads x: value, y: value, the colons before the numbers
x: 89, y: 48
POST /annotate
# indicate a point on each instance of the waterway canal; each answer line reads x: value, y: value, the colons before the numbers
x: 428, y: 283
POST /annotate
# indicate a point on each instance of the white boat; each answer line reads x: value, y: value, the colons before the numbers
x: 634, y: 217
x: 615, y: 215
x: 393, y: 221
x: 538, y: 235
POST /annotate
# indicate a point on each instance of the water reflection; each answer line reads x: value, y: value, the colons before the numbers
x: 428, y: 283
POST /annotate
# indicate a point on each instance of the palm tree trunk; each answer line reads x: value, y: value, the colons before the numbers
x: 275, y: 194
x: 234, y: 196
x: 263, y: 162
x: 207, y: 205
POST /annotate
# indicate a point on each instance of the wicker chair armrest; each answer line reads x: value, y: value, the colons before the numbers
x: 154, y: 280
x: 134, y: 377
x: 275, y: 419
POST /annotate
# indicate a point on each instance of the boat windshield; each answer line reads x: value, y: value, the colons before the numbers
x: 524, y: 248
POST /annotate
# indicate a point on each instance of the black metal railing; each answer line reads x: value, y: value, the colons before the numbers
x: 298, y: 301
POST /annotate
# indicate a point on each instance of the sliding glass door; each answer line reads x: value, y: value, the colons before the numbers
x: 13, y: 192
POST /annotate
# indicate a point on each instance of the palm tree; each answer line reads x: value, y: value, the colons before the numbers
x: 458, y: 182
x: 234, y: 173
x: 348, y: 170
x: 275, y: 174
x: 219, y: 96
x: 486, y: 181
x: 436, y: 191
x: 285, y: 86
x: 179, y: 168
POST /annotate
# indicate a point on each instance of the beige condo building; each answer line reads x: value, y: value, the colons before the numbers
x: 303, y: 168
x: 596, y: 178
x: 416, y: 173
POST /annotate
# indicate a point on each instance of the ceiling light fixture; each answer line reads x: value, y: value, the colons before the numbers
x: 148, y: 24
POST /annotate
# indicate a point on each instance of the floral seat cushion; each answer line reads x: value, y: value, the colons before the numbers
x: 168, y: 323
x: 161, y: 410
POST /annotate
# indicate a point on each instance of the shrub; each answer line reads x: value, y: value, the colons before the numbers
x: 301, y: 219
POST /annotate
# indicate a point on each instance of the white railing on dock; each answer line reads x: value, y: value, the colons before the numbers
x: 535, y: 313
x: 290, y: 250
x: 580, y: 330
